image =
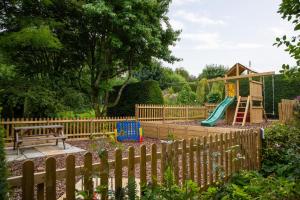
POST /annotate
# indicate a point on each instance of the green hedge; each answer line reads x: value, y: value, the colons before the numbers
x: 284, y: 89
x: 147, y: 92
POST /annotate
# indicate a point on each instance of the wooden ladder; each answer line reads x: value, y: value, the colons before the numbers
x: 242, y: 107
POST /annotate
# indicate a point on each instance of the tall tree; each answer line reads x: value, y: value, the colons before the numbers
x: 213, y: 71
x: 95, y: 40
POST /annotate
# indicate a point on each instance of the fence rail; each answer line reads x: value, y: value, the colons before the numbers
x: 193, y: 161
x: 73, y: 128
x: 286, y: 110
x: 148, y: 112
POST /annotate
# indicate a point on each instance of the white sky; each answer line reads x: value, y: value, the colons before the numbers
x: 229, y: 31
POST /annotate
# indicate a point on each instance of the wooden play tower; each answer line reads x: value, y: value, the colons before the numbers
x: 248, y: 108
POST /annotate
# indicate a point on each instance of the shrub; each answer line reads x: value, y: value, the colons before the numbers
x: 202, y: 91
x: 281, y: 151
x: 252, y: 185
x: 186, y: 96
x: 147, y: 92
x: 3, y: 170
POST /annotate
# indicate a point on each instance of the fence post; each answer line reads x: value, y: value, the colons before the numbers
x: 131, y: 172
x: 88, y: 179
x: 191, y: 159
x: 186, y: 113
x: 183, y: 161
x: 143, y: 169
x: 198, y: 162
x: 136, y: 112
x: 154, y: 164
x: 104, y: 171
x: 259, y: 148
x: 164, y: 113
x: 28, y: 180
x: 70, y: 177
x: 51, y: 179
x: 118, y: 174
x: 162, y: 162
x: 205, y: 162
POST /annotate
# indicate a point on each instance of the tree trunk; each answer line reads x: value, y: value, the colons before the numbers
x: 95, y: 101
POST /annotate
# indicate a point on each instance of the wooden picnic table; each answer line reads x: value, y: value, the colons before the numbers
x: 22, y: 134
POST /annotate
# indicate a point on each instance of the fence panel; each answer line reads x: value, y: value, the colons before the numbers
x: 146, y: 112
x: 73, y: 128
x: 206, y: 154
x: 286, y: 110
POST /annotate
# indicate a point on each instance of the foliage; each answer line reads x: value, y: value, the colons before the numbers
x: 170, y: 97
x: 252, y: 185
x: 3, y: 170
x: 169, y: 190
x: 186, y: 96
x: 202, y: 91
x: 216, y: 93
x: 281, y: 152
x: 89, y: 42
x: 147, y: 92
x: 185, y: 74
x: 165, y: 76
x: 172, y: 79
x: 289, y: 10
x: 155, y: 71
x: 213, y: 71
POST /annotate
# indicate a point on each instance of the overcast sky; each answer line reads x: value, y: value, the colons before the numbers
x: 229, y: 31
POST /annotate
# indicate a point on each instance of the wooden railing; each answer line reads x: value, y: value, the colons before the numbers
x: 286, y: 110
x: 73, y: 128
x: 197, y: 161
x: 147, y: 112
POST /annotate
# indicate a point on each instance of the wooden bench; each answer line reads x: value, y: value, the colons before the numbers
x: 21, y: 134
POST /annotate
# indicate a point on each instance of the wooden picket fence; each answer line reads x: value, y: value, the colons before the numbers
x: 286, y: 110
x: 73, y: 128
x: 148, y: 112
x: 196, y: 161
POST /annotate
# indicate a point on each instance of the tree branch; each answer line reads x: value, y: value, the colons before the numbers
x: 120, y: 91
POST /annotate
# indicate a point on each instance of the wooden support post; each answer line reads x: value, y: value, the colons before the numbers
x: 183, y: 162
x: 191, y: 159
x: 104, y: 172
x: 154, y: 164
x: 88, y: 174
x: 50, y: 179
x: 70, y: 177
x: 28, y: 180
x: 118, y: 173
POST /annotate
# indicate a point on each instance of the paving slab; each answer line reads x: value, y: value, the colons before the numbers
x: 41, y: 151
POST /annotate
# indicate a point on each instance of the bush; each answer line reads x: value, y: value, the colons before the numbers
x: 281, y: 152
x: 3, y: 170
x: 202, y: 91
x: 147, y: 92
x: 252, y: 185
x: 186, y: 96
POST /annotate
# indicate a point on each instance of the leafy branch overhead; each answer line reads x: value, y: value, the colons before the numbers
x: 290, y: 10
x: 88, y: 42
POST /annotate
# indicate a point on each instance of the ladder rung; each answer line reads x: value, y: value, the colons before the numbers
x: 240, y: 117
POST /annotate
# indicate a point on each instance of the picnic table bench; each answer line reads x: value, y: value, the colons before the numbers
x: 21, y: 134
